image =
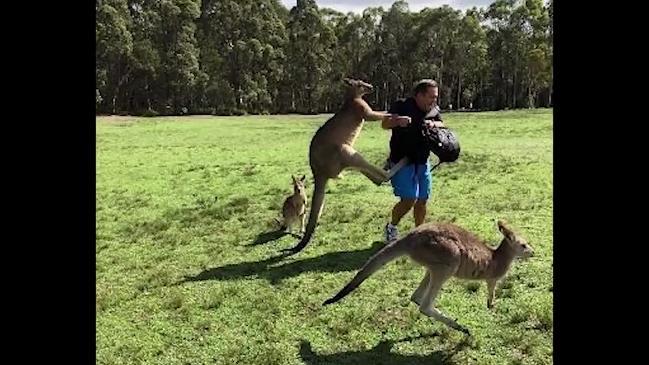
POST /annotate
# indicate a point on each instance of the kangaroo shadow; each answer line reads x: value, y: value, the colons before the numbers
x: 271, y: 236
x: 381, y: 355
x: 329, y: 262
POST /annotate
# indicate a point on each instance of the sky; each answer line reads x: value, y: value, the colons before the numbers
x: 357, y: 6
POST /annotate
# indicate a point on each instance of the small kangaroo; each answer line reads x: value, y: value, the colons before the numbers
x: 446, y: 250
x: 332, y: 150
x: 294, y: 208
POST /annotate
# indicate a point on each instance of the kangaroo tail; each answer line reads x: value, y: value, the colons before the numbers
x: 316, y: 206
x: 381, y: 258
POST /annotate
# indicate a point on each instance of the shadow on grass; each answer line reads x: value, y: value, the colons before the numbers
x: 329, y: 262
x: 271, y: 236
x: 381, y: 354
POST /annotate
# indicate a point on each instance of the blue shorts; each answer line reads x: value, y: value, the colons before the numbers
x: 412, y: 182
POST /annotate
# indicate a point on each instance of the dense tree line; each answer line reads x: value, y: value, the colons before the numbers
x: 256, y: 56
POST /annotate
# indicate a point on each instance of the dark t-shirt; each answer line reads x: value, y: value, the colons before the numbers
x: 408, y: 141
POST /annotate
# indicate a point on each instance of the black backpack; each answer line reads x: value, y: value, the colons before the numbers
x: 442, y: 142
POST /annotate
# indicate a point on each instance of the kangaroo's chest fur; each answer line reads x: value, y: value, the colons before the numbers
x: 344, y: 127
x: 475, y: 262
x: 294, y: 205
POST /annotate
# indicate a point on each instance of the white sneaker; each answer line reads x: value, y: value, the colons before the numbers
x: 391, y: 232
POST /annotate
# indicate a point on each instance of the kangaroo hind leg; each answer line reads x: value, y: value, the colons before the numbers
x: 427, y: 306
x: 418, y: 295
x: 353, y: 159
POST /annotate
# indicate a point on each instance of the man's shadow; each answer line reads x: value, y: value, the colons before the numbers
x: 329, y: 262
x: 381, y: 354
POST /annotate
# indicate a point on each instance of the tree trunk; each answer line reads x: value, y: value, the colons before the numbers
x: 377, y: 96
x: 514, y: 89
x: 114, y: 101
x: 441, y: 75
x: 503, y: 93
x: 117, y: 89
x: 148, y: 95
x: 459, y: 89
x: 385, y: 95
x: 480, y: 104
x: 530, y: 99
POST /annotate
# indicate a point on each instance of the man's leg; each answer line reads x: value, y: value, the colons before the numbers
x: 400, y: 209
x: 424, y: 181
x: 403, y: 184
x: 420, y: 211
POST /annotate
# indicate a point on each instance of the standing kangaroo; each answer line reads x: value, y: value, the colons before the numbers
x: 332, y: 150
x: 446, y: 251
x: 294, y: 208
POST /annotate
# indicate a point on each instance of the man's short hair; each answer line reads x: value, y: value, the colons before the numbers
x: 422, y: 86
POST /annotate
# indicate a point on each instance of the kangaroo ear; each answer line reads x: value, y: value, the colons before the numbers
x: 348, y: 81
x: 293, y: 178
x: 502, y: 227
x: 303, y: 178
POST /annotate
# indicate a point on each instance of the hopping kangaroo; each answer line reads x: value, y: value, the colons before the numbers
x: 446, y: 251
x: 332, y: 150
x: 294, y: 208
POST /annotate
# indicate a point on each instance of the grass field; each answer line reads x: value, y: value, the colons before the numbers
x: 184, y: 266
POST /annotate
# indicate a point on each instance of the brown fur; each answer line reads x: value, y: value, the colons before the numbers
x: 294, y: 207
x: 332, y: 150
x: 446, y: 250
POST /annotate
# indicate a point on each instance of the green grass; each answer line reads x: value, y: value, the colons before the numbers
x: 185, y: 273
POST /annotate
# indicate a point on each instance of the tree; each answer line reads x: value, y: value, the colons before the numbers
x: 256, y: 56
x: 114, y: 44
x: 470, y: 61
x: 310, y: 50
x: 394, y: 52
x: 179, y: 52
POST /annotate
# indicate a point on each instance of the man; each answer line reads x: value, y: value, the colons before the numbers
x: 412, y: 183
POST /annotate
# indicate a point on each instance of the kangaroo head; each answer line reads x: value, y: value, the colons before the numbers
x: 518, y: 244
x: 358, y: 88
x: 298, y: 185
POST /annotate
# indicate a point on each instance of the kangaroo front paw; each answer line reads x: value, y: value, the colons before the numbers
x: 380, y: 181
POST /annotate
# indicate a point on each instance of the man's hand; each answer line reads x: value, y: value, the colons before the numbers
x: 435, y: 123
x: 401, y: 121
